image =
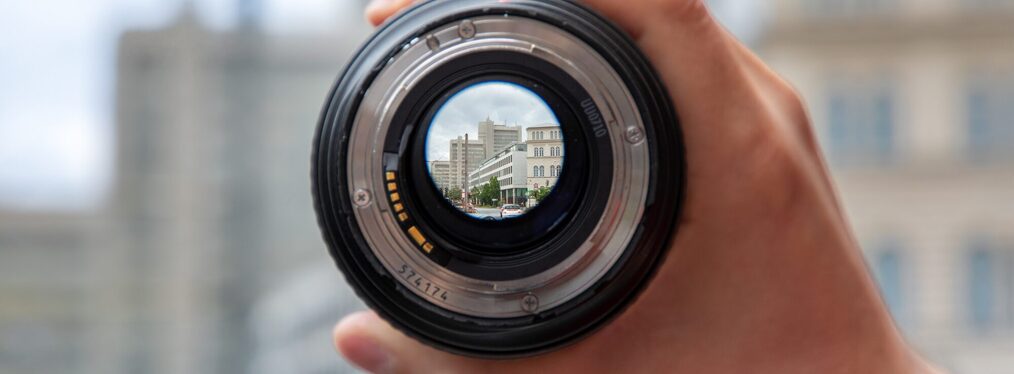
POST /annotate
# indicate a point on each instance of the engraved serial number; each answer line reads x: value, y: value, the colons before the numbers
x: 421, y: 283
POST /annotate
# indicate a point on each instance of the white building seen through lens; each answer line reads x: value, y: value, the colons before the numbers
x: 441, y: 172
x: 545, y: 156
x: 508, y: 167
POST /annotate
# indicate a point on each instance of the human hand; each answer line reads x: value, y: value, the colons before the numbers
x: 764, y: 274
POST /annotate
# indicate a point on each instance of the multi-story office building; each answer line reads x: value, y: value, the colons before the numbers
x: 440, y: 171
x: 496, y: 138
x: 460, y: 165
x: 545, y: 156
x: 912, y: 100
x: 509, y: 166
x: 212, y: 193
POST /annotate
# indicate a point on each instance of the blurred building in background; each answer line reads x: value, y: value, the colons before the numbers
x: 62, y: 297
x: 913, y: 101
x: 227, y: 268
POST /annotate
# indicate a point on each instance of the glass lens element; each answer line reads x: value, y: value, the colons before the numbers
x: 495, y: 150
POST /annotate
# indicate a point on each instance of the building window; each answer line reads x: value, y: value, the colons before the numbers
x: 888, y: 270
x: 991, y: 287
x: 991, y: 118
x: 981, y: 292
x: 542, y: 171
x: 861, y: 127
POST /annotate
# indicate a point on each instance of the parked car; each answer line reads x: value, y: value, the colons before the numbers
x: 511, y: 211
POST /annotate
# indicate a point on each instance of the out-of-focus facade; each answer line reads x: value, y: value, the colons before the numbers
x: 225, y: 270
x: 61, y: 293
x: 913, y: 101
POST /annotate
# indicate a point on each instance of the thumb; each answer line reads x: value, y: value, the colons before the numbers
x: 379, y: 11
x: 373, y: 345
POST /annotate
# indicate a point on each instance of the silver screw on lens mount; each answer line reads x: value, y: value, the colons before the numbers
x: 635, y: 135
x: 432, y: 42
x: 530, y: 303
x: 467, y: 29
x: 362, y: 198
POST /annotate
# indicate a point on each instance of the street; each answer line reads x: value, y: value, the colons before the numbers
x: 482, y: 213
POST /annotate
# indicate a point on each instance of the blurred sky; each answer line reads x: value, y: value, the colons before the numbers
x: 57, y: 65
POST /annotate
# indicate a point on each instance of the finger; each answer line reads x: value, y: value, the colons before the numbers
x: 379, y: 11
x: 373, y: 345
x: 637, y: 16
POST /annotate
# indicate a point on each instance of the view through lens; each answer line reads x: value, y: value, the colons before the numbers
x: 495, y: 150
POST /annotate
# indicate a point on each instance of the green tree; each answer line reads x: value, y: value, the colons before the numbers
x: 541, y: 193
x: 475, y: 194
x: 454, y: 194
x: 490, y: 193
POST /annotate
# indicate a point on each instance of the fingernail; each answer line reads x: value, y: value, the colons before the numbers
x: 367, y: 354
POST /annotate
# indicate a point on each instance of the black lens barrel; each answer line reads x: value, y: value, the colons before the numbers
x: 504, y: 250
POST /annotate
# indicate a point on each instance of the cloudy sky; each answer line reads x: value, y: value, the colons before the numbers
x: 502, y: 102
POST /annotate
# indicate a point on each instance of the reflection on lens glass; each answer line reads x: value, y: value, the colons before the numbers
x: 495, y: 150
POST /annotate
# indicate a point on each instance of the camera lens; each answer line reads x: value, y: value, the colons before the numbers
x: 498, y: 179
x: 515, y: 163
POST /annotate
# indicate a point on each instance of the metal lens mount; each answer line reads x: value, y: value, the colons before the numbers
x: 507, y: 288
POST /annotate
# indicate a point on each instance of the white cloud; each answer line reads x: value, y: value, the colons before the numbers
x: 501, y: 102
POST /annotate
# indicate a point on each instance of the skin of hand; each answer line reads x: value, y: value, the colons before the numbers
x: 764, y: 275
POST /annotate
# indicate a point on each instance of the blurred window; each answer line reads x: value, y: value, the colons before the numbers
x: 991, y: 282
x: 991, y: 119
x: 982, y: 291
x: 861, y: 126
x: 887, y: 268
